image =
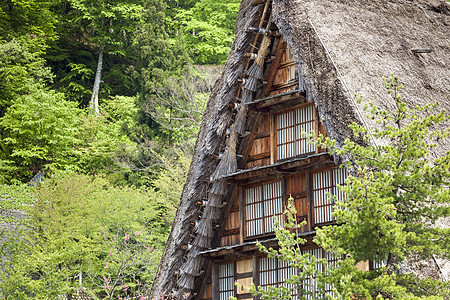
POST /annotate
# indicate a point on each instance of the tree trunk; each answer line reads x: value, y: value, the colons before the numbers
x: 98, y: 76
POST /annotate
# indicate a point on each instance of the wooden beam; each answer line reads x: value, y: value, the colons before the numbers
x: 316, y: 128
x: 241, y: 214
x: 256, y: 272
x: 261, y: 22
x: 215, y: 281
x: 290, y: 83
x: 274, y: 66
x: 309, y: 197
x: 244, y: 296
x: 279, y: 100
x: 262, y: 135
x: 244, y: 275
x: 233, y: 231
x: 287, y: 64
x: 258, y: 156
x: 273, y: 142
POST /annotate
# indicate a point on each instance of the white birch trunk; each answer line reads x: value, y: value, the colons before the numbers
x: 98, y: 76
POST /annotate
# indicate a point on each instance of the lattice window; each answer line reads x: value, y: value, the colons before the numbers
x: 324, y: 183
x: 274, y: 272
x: 289, y: 132
x: 310, y: 284
x: 262, y: 203
x: 377, y: 264
x: 226, y: 281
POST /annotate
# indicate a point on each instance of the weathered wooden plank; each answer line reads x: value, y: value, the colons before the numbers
x: 215, y: 281
x: 244, y: 296
x: 309, y: 201
x: 244, y: 275
x: 233, y: 231
x: 241, y: 214
x: 262, y: 135
x: 207, y: 292
x: 278, y: 99
x: 256, y: 272
x: 316, y: 127
x: 258, y: 156
x: 274, y: 66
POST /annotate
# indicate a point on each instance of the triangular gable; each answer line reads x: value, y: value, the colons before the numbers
x: 237, y: 152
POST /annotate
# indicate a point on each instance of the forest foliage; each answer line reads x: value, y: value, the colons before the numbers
x: 112, y: 179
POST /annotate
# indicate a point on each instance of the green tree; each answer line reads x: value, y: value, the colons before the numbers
x: 398, y: 193
x: 28, y: 18
x: 208, y: 28
x: 394, y: 198
x: 71, y: 229
x: 100, y: 32
x: 22, y: 70
x: 104, y: 137
x: 290, y: 251
x: 40, y: 133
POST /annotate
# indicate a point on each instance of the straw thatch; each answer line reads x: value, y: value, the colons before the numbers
x: 341, y: 47
x: 219, y: 187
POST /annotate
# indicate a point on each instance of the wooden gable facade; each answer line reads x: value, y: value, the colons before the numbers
x: 278, y: 161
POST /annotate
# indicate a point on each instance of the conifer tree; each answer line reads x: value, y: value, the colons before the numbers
x: 395, y: 196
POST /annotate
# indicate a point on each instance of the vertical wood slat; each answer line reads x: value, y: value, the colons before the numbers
x: 323, y: 183
x: 241, y: 214
x: 309, y: 197
x: 234, y: 279
x: 290, y: 125
x: 215, y: 281
x: 261, y: 204
x: 226, y: 278
x: 256, y: 272
x: 316, y: 127
x: 273, y: 137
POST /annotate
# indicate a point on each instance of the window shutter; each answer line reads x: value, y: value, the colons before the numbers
x: 324, y: 183
x: 262, y: 203
x: 226, y: 281
x: 289, y: 131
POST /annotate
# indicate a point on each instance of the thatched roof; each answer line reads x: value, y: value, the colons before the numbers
x: 342, y: 47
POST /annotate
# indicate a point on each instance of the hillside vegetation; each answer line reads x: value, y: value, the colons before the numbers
x: 105, y: 99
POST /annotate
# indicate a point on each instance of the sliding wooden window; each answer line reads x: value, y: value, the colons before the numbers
x: 274, y: 272
x: 262, y: 203
x: 290, y: 126
x: 324, y: 183
x: 310, y: 284
x: 377, y: 264
x: 226, y: 281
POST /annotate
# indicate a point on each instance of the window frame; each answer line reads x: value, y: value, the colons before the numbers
x: 274, y: 131
x: 244, y: 206
x: 332, y: 187
x: 283, y: 269
x: 232, y: 276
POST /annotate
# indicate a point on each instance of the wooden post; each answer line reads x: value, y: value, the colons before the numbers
x: 256, y: 272
x: 273, y: 136
x: 242, y: 214
x: 274, y: 67
x: 215, y: 281
x: 309, y: 197
x: 316, y: 129
x: 283, y: 194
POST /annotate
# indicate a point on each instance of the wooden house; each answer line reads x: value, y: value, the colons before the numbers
x: 294, y: 67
